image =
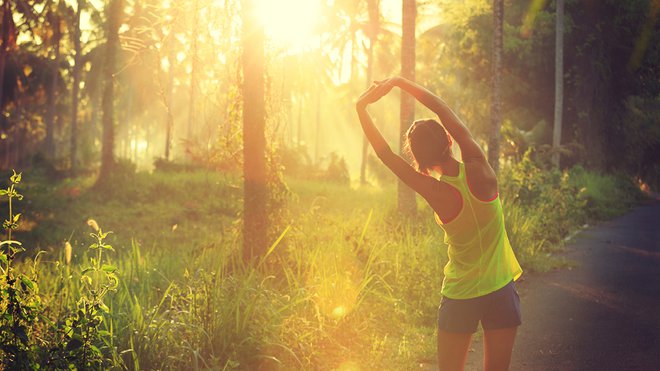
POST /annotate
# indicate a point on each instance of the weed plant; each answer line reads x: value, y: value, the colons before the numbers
x: 51, y: 332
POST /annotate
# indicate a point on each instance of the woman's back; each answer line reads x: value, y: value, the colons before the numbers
x: 481, y: 259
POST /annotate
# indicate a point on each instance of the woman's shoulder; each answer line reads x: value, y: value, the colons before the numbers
x: 481, y: 179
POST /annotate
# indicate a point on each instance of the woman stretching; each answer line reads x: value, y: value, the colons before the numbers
x: 478, y: 278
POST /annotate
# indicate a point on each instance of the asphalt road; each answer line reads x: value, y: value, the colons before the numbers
x: 601, y: 314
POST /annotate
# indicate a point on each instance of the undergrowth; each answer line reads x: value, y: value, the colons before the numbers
x: 346, y: 284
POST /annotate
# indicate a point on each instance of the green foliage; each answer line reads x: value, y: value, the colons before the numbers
x: 295, y: 161
x: 19, y: 300
x: 337, y: 171
x: 641, y: 139
x: 606, y: 196
x: 346, y: 282
x: 382, y: 174
x: 169, y: 166
x: 29, y: 337
x: 543, y: 205
x: 84, y: 338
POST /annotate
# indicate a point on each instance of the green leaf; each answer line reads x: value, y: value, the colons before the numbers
x: 3, y: 258
x: 109, y: 268
x: 3, y: 192
x: 96, y: 350
x: 114, y: 281
x: 28, y: 282
x: 86, y: 270
x: 94, y: 246
x: 104, y: 308
x: 10, y: 242
x: 86, y: 279
x: 16, y: 178
x: 16, y: 217
x: 107, y: 247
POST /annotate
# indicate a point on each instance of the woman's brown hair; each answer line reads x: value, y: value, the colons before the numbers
x: 427, y: 142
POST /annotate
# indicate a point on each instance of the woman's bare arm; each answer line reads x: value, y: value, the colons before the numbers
x: 425, y: 185
x: 470, y: 149
x: 481, y: 175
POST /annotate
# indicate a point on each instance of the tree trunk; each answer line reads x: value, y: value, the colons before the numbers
x: 51, y: 96
x: 193, y: 73
x: 373, y: 8
x: 406, y: 196
x: 559, y: 83
x: 108, y: 143
x: 255, y: 219
x: 496, y: 104
x: 300, y: 109
x: 317, y: 139
x: 75, y: 91
x: 169, y: 123
x: 7, y: 29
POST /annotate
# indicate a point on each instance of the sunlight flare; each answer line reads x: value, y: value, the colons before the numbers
x: 290, y: 24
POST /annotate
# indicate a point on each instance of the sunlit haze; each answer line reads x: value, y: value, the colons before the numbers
x: 290, y: 24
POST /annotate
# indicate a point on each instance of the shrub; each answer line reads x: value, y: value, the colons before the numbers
x: 28, y: 337
x: 543, y: 204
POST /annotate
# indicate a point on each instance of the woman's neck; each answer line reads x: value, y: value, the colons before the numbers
x: 448, y: 167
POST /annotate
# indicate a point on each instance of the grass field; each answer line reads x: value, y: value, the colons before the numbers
x: 347, y: 284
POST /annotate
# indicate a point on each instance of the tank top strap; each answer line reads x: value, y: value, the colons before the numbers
x: 457, y: 180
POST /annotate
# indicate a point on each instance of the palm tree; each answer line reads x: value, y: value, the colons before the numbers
x: 7, y: 41
x: 496, y: 104
x: 406, y: 196
x: 77, y: 60
x: 255, y: 221
x: 55, y: 21
x: 373, y: 26
x: 193, y: 70
x: 114, y: 11
x: 559, y: 82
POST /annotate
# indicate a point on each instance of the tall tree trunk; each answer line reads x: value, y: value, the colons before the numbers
x: 406, y: 196
x: 108, y: 143
x: 300, y: 109
x: 52, y: 94
x: 373, y: 9
x: 255, y: 220
x: 169, y: 123
x: 7, y: 29
x: 193, y: 73
x: 317, y: 139
x: 75, y: 90
x: 559, y: 83
x: 496, y: 104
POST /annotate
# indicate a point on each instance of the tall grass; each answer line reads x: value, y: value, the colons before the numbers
x: 347, y: 283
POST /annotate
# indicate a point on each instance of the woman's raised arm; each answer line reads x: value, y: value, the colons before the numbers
x: 470, y: 149
x: 425, y: 185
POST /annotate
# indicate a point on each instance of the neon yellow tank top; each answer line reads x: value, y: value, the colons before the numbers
x: 481, y: 259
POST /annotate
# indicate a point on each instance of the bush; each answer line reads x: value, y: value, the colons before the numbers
x: 544, y: 205
x: 296, y: 162
x: 606, y: 196
x: 32, y: 333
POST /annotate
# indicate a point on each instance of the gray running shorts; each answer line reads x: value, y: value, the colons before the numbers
x: 497, y: 310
